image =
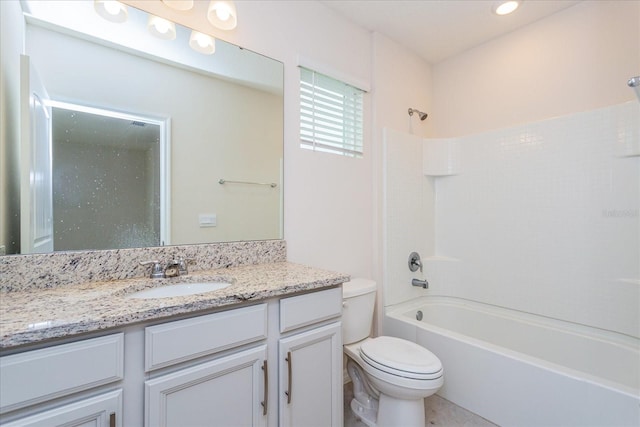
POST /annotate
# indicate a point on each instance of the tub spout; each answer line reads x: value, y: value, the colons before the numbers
x: 420, y: 283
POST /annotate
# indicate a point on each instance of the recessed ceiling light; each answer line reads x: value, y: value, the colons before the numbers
x: 505, y: 7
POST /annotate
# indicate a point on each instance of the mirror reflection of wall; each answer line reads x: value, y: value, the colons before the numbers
x: 220, y: 128
x: 106, y: 181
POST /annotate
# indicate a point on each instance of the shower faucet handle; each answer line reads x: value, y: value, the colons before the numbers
x: 414, y: 262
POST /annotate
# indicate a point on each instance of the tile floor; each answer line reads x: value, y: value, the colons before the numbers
x: 438, y: 412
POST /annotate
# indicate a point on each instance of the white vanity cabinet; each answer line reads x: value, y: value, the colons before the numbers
x: 310, y: 360
x: 69, y: 374
x: 99, y: 411
x: 231, y: 390
x: 295, y: 341
x: 277, y: 362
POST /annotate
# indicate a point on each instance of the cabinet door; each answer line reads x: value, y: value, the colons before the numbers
x: 228, y: 391
x: 100, y: 411
x: 310, y: 382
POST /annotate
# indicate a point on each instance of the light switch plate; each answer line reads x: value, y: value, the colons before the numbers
x: 207, y: 220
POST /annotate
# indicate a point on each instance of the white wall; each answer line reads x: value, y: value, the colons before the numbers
x: 328, y: 199
x: 576, y: 60
x: 401, y: 80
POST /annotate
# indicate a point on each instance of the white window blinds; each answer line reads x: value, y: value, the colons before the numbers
x: 330, y: 115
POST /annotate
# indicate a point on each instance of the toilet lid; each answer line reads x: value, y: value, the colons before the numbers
x: 401, y: 357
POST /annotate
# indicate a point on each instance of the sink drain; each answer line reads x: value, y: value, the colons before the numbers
x: 419, y: 315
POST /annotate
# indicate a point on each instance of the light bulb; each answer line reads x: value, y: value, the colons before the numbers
x: 202, y: 43
x: 223, y: 12
x: 161, y: 28
x: 111, y: 10
x: 112, y: 7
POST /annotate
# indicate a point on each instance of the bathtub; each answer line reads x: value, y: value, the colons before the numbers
x: 518, y: 369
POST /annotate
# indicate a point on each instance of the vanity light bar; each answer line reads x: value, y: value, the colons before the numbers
x: 221, y: 14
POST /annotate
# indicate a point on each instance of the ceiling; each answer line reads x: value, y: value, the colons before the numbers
x: 439, y: 29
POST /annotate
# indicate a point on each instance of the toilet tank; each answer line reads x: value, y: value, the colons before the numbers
x: 358, y: 302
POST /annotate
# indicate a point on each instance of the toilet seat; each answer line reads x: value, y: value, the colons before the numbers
x: 401, y: 358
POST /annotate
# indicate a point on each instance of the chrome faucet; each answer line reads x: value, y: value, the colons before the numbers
x: 420, y: 283
x: 414, y: 264
x: 156, y: 268
x: 174, y: 268
x: 183, y: 265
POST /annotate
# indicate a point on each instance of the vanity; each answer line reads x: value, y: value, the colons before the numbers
x: 264, y: 351
x: 75, y: 348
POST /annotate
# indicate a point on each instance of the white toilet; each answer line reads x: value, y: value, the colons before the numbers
x: 391, y: 376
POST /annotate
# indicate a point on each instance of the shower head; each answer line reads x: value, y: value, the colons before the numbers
x: 634, y: 83
x: 422, y: 115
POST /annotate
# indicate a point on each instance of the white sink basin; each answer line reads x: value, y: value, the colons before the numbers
x: 179, y: 290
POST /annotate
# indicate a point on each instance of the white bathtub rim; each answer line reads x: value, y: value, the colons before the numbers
x: 611, y: 337
x: 399, y: 312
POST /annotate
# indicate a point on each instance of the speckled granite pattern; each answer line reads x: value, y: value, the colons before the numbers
x: 36, y: 314
x: 44, y: 271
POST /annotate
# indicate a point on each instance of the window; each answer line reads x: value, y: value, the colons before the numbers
x: 330, y: 115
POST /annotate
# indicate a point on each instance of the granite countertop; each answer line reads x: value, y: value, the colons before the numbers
x: 31, y: 316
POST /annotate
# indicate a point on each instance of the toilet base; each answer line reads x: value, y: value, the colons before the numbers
x: 367, y: 415
x: 383, y: 411
x: 390, y: 412
x: 394, y: 412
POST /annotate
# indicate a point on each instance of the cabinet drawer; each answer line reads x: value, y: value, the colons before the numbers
x: 182, y: 340
x: 93, y: 411
x: 35, y: 376
x: 310, y: 308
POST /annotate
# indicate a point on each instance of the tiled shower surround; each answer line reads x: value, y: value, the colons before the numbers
x: 542, y: 218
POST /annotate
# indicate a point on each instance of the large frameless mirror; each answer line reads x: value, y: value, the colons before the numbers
x: 150, y: 142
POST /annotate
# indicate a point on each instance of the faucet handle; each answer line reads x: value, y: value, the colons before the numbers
x: 414, y: 261
x: 183, y: 265
x: 156, y: 269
